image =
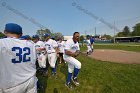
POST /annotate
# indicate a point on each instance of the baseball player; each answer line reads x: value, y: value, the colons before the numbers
x: 88, y: 43
x: 26, y: 37
x: 52, y: 50
x: 92, y: 42
x: 61, y: 49
x: 17, y: 62
x: 41, y: 54
x: 71, y: 51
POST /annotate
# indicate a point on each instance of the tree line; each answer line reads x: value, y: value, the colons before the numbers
x: 41, y: 32
x: 124, y: 33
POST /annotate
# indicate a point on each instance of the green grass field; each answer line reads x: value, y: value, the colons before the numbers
x: 96, y: 76
x: 122, y: 46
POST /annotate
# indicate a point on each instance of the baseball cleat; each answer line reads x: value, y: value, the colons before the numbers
x: 45, y: 73
x: 68, y: 85
x: 75, y: 81
x: 54, y: 75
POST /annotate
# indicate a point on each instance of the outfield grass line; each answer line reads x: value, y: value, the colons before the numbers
x: 117, y: 44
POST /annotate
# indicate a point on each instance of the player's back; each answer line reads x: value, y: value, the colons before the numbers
x: 50, y: 45
x: 17, y: 62
x: 88, y: 42
x: 61, y: 46
x: 39, y: 44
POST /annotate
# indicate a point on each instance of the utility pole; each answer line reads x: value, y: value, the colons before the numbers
x: 114, y: 32
x: 95, y: 31
x: 85, y: 32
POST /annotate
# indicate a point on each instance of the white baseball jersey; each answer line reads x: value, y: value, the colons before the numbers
x: 61, y: 46
x: 88, y: 42
x: 88, y: 45
x: 39, y: 44
x: 72, y: 62
x: 71, y: 46
x: 50, y: 46
x: 17, y: 62
x: 41, y: 54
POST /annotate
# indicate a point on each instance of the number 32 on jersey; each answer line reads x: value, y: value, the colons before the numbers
x: 22, y: 54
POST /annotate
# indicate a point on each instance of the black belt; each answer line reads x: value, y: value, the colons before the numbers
x: 40, y: 53
x: 51, y: 52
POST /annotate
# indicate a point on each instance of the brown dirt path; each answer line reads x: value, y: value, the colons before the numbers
x: 118, y: 56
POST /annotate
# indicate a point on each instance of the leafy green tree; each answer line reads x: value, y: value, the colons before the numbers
x: 126, y: 31
x: 120, y: 34
x: 57, y: 35
x: 41, y: 32
x: 1, y: 34
x: 82, y: 39
x: 136, y: 30
x: 108, y: 37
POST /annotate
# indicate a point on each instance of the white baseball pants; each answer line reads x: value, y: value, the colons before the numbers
x: 72, y: 63
x: 52, y: 59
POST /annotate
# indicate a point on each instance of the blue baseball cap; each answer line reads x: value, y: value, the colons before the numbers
x: 22, y: 37
x: 46, y: 35
x: 35, y: 36
x: 25, y: 37
x: 13, y: 28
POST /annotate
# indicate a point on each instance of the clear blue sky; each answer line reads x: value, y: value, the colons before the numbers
x: 61, y: 16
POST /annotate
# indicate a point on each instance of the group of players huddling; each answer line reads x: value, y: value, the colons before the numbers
x: 21, y: 57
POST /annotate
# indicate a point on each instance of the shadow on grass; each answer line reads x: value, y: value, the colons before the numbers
x: 42, y: 79
x: 64, y: 69
x: 55, y: 90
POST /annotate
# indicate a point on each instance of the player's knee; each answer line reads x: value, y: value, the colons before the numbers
x: 70, y: 70
x: 78, y: 65
x: 52, y: 65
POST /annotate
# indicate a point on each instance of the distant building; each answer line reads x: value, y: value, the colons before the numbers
x: 67, y: 37
x: 128, y: 39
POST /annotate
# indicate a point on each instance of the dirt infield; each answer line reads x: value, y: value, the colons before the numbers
x: 118, y: 56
